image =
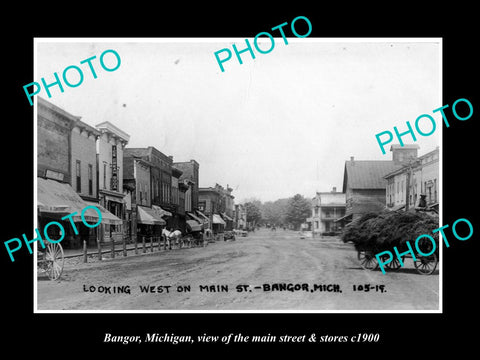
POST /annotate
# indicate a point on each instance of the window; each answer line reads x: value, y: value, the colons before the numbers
x: 316, y: 224
x: 104, y: 175
x: 140, y: 193
x: 90, y: 179
x: 78, y: 176
x: 435, y: 190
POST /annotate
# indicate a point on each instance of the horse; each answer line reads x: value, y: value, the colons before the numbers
x: 173, y: 236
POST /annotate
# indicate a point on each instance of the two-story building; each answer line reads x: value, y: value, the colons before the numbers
x: 110, y: 146
x: 364, y: 184
x: 210, y: 203
x: 137, y: 185
x: 160, y: 180
x: 327, y: 209
x: 416, y: 179
x: 240, y: 217
x: 67, y: 172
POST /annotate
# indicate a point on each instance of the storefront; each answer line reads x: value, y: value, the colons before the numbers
x: 149, y: 222
x: 56, y: 200
x: 218, y: 224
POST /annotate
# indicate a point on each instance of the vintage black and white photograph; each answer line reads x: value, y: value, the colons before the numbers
x: 212, y: 175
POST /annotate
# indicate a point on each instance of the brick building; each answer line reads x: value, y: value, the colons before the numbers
x: 137, y: 186
x: 67, y: 173
x: 54, y: 127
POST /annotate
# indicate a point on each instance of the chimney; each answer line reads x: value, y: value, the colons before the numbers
x: 334, y: 189
x: 402, y: 155
x: 352, y: 158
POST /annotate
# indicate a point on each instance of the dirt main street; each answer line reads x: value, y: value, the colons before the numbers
x: 265, y: 271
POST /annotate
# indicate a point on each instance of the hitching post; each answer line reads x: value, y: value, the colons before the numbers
x: 100, y: 231
x: 84, y: 251
x: 112, y: 240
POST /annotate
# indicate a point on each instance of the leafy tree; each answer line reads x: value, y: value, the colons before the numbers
x: 253, y: 211
x: 273, y: 212
x: 298, y: 210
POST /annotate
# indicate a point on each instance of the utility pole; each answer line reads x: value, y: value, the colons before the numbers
x: 410, y: 165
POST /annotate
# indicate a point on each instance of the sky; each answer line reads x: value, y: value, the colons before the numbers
x: 277, y: 125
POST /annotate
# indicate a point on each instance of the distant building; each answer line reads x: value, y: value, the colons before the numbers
x: 421, y: 176
x: 327, y: 209
x: 178, y: 207
x: 137, y: 185
x: 160, y: 184
x: 364, y: 184
x: 211, y: 203
x: 190, y: 172
x: 240, y: 217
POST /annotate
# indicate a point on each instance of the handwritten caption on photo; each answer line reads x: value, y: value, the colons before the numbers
x: 223, y: 288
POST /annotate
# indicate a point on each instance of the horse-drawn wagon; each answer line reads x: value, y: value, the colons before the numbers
x: 375, y: 233
x: 51, y: 260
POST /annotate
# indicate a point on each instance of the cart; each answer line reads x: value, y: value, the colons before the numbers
x: 51, y: 260
x: 424, y: 265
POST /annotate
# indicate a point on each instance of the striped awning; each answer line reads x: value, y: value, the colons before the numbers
x: 203, y: 216
x: 148, y: 216
x: 107, y: 216
x: 193, y: 225
x: 226, y: 217
x: 194, y: 217
x: 56, y: 200
x: 161, y: 212
x: 217, y: 219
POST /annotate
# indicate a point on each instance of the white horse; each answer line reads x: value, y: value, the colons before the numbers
x: 174, y: 237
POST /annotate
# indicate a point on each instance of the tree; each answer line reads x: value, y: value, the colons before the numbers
x: 273, y: 212
x: 253, y: 212
x: 298, y: 210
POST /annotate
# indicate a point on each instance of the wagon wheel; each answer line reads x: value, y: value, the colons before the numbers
x: 426, y: 265
x: 53, y: 261
x: 367, y: 259
x: 394, y: 265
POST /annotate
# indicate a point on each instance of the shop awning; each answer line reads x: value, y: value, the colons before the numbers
x: 161, y: 212
x: 218, y: 220
x: 203, y: 216
x: 56, y: 200
x: 148, y: 216
x: 192, y: 225
x: 107, y: 216
x: 194, y: 217
x: 226, y: 217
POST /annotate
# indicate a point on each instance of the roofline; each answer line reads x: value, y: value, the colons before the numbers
x: 107, y: 126
x: 59, y: 110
